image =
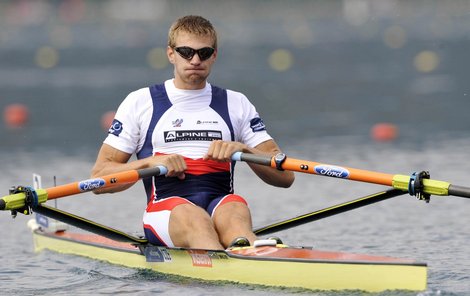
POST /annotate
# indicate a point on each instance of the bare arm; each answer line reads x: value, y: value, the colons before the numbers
x: 222, y: 151
x: 267, y: 174
x: 111, y: 160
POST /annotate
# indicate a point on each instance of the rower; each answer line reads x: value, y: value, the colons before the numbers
x: 191, y: 127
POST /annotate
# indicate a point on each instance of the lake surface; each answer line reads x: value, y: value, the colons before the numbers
x: 436, y: 233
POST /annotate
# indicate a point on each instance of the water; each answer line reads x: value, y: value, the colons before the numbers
x: 344, y: 78
x: 436, y: 233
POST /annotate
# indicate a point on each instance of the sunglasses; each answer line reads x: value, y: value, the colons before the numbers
x: 188, y: 52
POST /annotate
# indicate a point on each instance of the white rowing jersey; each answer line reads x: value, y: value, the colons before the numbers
x: 162, y: 119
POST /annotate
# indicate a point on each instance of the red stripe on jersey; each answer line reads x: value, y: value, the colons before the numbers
x: 200, y: 166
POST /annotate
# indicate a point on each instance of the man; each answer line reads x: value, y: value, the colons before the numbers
x: 192, y: 128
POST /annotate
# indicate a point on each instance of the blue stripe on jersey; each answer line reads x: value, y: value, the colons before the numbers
x: 219, y: 103
x: 161, y: 104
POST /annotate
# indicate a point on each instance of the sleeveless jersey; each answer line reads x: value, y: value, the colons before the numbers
x: 162, y: 119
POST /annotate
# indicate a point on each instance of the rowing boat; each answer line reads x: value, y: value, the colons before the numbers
x: 264, y: 264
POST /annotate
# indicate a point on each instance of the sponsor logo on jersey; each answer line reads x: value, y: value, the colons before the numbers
x: 116, y: 128
x: 177, y: 122
x: 257, y: 124
x: 332, y: 171
x: 201, y: 135
x: 207, y: 122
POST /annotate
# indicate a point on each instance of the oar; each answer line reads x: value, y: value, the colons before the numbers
x: 412, y: 184
x: 27, y: 197
x: 328, y: 212
x: 121, y: 236
x: 88, y: 225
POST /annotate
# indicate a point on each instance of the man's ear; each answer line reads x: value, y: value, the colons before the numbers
x: 170, y: 54
x: 215, y: 55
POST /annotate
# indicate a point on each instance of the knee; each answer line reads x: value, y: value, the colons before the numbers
x: 232, y: 215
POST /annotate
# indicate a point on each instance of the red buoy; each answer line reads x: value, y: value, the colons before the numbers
x: 16, y: 115
x: 384, y: 132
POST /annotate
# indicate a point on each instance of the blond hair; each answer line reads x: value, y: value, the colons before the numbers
x: 192, y: 24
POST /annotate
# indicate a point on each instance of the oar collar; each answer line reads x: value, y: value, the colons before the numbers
x: 279, y: 160
x: 416, y: 186
x: 31, y: 200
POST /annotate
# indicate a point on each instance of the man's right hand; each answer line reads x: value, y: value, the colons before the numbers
x: 175, y: 164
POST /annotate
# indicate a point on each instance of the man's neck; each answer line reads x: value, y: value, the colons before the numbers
x: 189, y: 85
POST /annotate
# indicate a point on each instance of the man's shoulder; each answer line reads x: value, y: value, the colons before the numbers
x: 234, y: 97
x: 237, y: 97
x: 141, y: 93
x: 136, y: 98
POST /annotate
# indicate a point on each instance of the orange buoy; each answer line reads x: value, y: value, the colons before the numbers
x: 107, y: 119
x: 16, y: 115
x: 384, y: 132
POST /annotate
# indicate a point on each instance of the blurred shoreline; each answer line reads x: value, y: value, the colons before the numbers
x: 312, y: 68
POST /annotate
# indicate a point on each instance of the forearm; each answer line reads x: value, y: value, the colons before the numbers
x: 110, y: 161
x: 108, y: 168
x: 268, y: 174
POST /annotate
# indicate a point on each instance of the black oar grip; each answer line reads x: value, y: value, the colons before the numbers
x: 150, y: 172
x: 253, y: 158
x: 459, y: 191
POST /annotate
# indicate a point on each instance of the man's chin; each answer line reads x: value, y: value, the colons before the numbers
x: 196, y: 78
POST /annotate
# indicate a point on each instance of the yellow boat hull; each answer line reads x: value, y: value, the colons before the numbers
x: 266, y: 265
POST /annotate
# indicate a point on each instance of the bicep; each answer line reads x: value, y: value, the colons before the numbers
x: 109, y: 153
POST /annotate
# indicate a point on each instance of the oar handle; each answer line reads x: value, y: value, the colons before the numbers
x: 253, y: 158
x: 18, y: 200
x: 159, y: 170
x: 459, y: 191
